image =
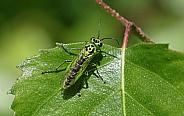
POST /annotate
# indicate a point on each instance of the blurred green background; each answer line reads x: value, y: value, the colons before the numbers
x: 29, y: 25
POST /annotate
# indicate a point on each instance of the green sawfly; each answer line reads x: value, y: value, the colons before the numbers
x: 78, y: 66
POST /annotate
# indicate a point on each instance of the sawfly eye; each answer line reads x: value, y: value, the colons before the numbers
x: 93, y: 39
x: 100, y: 44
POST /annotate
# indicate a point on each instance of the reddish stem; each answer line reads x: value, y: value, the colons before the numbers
x: 142, y: 36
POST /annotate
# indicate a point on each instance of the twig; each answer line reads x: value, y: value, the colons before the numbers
x: 139, y: 33
x: 126, y: 35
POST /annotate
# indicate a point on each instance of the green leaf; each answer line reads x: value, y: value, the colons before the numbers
x: 154, y: 84
x: 154, y: 80
x: 40, y: 94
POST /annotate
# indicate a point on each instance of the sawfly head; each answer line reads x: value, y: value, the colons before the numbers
x: 98, y: 42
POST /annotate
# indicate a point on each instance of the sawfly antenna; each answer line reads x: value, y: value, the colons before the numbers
x: 110, y: 38
x: 99, y: 29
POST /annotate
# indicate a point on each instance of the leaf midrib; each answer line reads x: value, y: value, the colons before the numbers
x: 46, y: 100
